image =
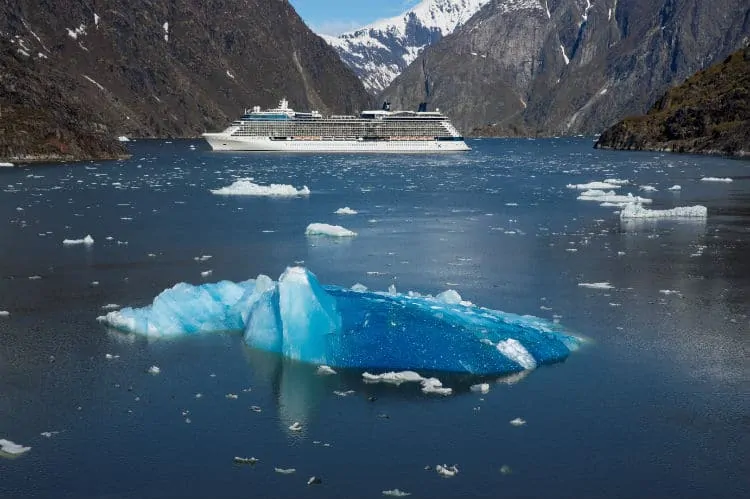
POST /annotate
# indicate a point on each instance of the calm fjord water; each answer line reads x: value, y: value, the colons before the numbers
x: 654, y: 405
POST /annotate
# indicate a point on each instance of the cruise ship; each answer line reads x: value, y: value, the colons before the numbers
x: 285, y: 130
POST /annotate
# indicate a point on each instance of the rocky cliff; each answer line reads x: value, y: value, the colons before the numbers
x: 557, y: 67
x: 159, y: 68
x: 382, y: 50
x: 708, y: 113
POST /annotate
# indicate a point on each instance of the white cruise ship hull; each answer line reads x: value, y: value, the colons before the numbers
x: 225, y: 142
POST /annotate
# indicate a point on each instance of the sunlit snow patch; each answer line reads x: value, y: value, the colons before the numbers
x: 342, y: 328
x: 246, y: 187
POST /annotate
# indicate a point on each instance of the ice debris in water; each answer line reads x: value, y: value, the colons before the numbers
x: 594, y: 185
x: 345, y: 211
x: 447, y: 471
x: 252, y: 461
x: 4, y: 313
x: 518, y: 422
x: 480, y: 388
x: 675, y: 188
x: 716, y: 179
x: 341, y: 328
x: 246, y: 187
x: 595, y: 285
x: 11, y: 448
x: 396, y: 493
x: 285, y: 471
x: 88, y: 240
x: 611, y: 197
x: 296, y: 426
x: 635, y: 210
x: 320, y: 229
x: 325, y: 371
x: 154, y: 370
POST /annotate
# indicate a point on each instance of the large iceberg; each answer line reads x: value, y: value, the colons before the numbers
x: 300, y: 319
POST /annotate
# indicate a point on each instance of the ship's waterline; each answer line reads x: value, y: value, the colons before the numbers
x: 285, y: 130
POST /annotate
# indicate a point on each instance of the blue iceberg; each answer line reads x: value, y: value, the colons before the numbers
x: 300, y: 319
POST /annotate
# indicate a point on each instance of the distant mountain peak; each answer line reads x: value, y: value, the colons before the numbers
x: 381, y: 50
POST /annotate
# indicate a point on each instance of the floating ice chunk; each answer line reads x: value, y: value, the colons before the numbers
x: 110, y: 306
x: 515, y: 351
x: 206, y: 273
x: 252, y: 461
x: 346, y: 211
x: 617, y: 181
x: 49, y: 434
x: 480, y: 388
x: 450, y: 297
x: 88, y: 240
x: 360, y: 288
x: 396, y: 493
x: 434, y: 386
x: 285, y: 471
x: 447, y: 471
x: 296, y: 426
x: 716, y: 179
x: 394, y: 378
x: 675, y: 188
x: 341, y: 328
x: 154, y: 370
x: 313, y: 480
x: 12, y: 449
x: 635, y: 210
x: 321, y: 229
x: 518, y: 422
x: 202, y: 258
x: 340, y: 393
x: 595, y: 285
x: 109, y: 356
x: 325, y: 371
x: 123, y: 138
x: 611, y: 197
x: 669, y: 292
x: 231, y: 396
x: 648, y: 188
x: 594, y: 186
x: 4, y: 313
x: 246, y: 187
x: 5, y: 164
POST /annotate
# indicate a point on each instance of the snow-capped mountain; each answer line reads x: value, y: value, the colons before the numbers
x: 382, y: 50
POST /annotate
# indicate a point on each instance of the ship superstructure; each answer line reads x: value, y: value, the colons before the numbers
x: 383, y: 130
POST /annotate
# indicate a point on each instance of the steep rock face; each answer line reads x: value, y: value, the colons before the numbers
x: 163, y: 68
x: 381, y: 51
x: 708, y: 113
x: 554, y: 67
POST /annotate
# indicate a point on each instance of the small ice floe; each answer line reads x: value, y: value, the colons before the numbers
x: 231, y: 396
x: 4, y: 313
x: 123, y: 138
x: 518, y: 422
x: 325, y: 371
x: 595, y: 285
x: 321, y: 229
x: 202, y: 258
x: 359, y: 288
x: 154, y: 370
x: 110, y: 306
x: 252, y: 461
x: 255, y: 408
x: 648, y: 188
x: 447, y: 471
x: 12, y: 449
x: 594, y: 185
x: 49, y: 434
x: 6, y: 165
x: 343, y: 393
x: 34, y: 277
x: 675, y: 188
x: 396, y: 493
x: 285, y: 471
x: 296, y: 426
x: 109, y: 356
x: 637, y: 211
x: 429, y: 385
x: 716, y: 179
x: 505, y: 469
x: 612, y: 197
x: 88, y: 240
x: 669, y: 292
x: 246, y: 187
x: 345, y: 211
x: 480, y: 388
x: 206, y: 273
x: 314, y: 480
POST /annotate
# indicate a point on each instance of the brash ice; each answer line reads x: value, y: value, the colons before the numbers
x: 353, y: 328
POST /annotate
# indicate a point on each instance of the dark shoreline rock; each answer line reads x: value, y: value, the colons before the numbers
x: 707, y: 114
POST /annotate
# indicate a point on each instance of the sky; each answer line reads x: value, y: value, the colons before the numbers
x: 333, y: 17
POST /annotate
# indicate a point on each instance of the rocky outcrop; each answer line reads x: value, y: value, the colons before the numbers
x: 708, y: 113
x: 563, y: 67
x: 382, y: 50
x: 160, y: 68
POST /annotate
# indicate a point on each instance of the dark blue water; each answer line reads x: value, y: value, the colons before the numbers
x: 654, y: 405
